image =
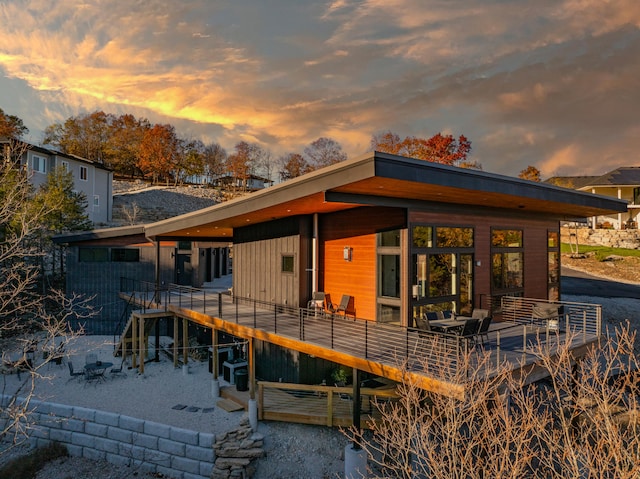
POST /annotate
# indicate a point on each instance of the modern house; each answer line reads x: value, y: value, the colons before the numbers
x: 622, y: 183
x: 91, y: 178
x: 396, y: 238
x: 248, y: 183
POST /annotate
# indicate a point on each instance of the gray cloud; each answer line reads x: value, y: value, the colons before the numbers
x: 546, y: 83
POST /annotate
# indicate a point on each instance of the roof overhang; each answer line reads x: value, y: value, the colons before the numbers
x: 378, y: 178
x: 78, y: 236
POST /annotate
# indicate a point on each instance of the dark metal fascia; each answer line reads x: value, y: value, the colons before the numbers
x: 419, y: 171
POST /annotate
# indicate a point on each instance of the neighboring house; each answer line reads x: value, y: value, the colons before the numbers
x: 98, y: 260
x: 92, y: 179
x: 250, y: 183
x: 622, y: 183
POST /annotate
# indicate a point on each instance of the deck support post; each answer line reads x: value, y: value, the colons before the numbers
x: 215, y: 383
x: 175, y: 341
x: 142, y: 343
x: 357, y: 403
x: 355, y: 462
x: 134, y: 341
x: 185, y: 342
x: 253, y: 405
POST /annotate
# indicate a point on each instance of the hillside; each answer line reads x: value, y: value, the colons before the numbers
x: 138, y: 203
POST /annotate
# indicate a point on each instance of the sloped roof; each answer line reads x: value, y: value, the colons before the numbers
x: 389, y: 180
x: 573, y: 182
x: 623, y: 176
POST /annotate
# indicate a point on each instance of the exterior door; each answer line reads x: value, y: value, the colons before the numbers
x: 183, y: 269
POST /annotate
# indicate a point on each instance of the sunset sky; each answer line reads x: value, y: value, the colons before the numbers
x: 549, y: 83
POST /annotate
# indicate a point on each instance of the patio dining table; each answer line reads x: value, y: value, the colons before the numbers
x: 448, y: 325
x: 96, y: 370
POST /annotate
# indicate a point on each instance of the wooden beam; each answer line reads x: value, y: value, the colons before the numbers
x: 185, y: 341
x: 141, y: 345
x: 391, y: 372
x: 134, y: 343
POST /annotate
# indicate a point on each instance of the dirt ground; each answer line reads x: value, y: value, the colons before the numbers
x: 619, y: 268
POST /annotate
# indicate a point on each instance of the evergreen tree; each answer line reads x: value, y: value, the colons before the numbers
x: 66, y: 208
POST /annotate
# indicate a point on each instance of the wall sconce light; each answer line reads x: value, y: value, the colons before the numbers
x: 173, y: 255
x: 202, y: 253
x: 347, y: 253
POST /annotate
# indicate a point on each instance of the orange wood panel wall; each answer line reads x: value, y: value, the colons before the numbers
x: 357, y: 230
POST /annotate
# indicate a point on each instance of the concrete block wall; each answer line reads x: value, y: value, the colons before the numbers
x: 148, y: 446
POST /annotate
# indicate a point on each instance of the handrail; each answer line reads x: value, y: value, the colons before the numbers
x: 375, y: 341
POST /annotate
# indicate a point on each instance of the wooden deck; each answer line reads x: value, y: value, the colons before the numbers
x: 434, y: 361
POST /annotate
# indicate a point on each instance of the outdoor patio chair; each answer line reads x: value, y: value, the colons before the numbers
x: 316, y: 298
x: 483, y: 330
x: 480, y: 313
x: 118, y: 371
x: 433, y: 316
x: 422, y: 325
x: 346, y: 306
x: 468, y: 330
x: 328, y: 305
x: 90, y: 358
x: 73, y: 373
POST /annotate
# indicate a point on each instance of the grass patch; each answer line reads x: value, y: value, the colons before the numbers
x: 26, y: 467
x: 601, y: 252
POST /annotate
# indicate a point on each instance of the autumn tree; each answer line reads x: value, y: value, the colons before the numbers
x: 263, y: 162
x: 239, y: 164
x: 84, y: 135
x: 292, y: 166
x: 125, y: 134
x: 214, y: 157
x: 191, y: 162
x: 11, y: 127
x: 159, y: 153
x: 324, y: 152
x: 530, y: 173
x: 444, y: 149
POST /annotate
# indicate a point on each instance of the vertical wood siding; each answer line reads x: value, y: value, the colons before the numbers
x: 257, y: 270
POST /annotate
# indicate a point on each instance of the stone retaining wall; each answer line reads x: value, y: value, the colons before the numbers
x: 118, y: 439
x: 629, y: 239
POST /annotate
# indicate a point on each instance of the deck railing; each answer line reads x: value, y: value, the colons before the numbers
x: 388, y: 344
x: 317, y: 404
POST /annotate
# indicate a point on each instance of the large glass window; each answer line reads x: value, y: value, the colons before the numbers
x: 442, y: 262
x: 127, y: 255
x: 93, y: 255
x: 389, y: 275
x: 507, y: 255
x: 553, y: 255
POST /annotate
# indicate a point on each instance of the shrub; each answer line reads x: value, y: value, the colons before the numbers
x: 27, y: 466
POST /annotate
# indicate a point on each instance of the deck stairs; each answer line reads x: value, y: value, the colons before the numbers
x: 125, y: 346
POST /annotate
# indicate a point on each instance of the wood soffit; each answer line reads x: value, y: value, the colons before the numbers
x: 371, y: 179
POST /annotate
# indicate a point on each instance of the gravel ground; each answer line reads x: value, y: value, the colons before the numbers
x: 291, y: 450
